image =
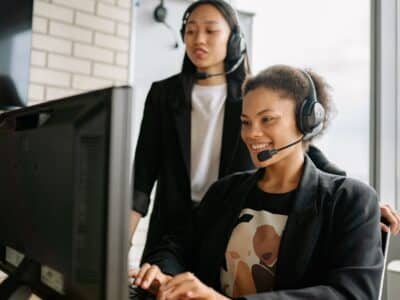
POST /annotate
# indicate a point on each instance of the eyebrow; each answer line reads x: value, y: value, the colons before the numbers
x: 259, y: 113
x: 206, y: 22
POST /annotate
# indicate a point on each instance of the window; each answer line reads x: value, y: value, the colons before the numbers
x: 333, y: 39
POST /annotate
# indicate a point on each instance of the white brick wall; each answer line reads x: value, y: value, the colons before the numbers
x: 39, y: 24
x: 50, y: 77
x: 113, y: 12
x: 51, y: 44
x: 111, y: 42
x: 122, y: 59
x: 123, y: 30
x: 110, y: 72
x: 57, y: 93
x: 38, y: 58
x: 96, y: 23
x: 36, y: 92
x: 124, y: 3
x: 81, y: 45
x: 70, y: 32
x: 89, y: 83
x: 93, y: 53
x: 69, y: 64
x: 85, y: 5
x: 52, y: 12
x: 78, y: 45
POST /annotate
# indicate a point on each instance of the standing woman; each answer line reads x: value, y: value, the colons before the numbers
x: 190, y: 132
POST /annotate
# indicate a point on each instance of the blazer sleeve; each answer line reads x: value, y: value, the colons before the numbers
x: 355, y: 261
x: 174, y: 254
x: 147, y: 159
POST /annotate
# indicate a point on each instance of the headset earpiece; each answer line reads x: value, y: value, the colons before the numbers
x: 236, y: 45
x: 311, y: 114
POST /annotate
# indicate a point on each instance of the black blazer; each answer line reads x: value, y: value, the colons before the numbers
x: 330, y: 248
x: 163, y: 155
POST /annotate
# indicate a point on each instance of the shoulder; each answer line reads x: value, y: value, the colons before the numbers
x: 349, y: 196
x: 225, y: 193
x: 343, y: 185
x: 229, y: 187
x: 236, y: 179
x: 168, y: 82
x: 163, y: 89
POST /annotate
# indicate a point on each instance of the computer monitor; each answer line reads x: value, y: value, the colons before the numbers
x: 65, y: 186
x: 15, y: 50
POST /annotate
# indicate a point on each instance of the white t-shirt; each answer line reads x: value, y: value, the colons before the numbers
x: 208, y: 107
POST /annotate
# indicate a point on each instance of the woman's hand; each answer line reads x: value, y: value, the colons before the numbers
x: 149, y: 277
x: 392, y: 217
x: 187, y: 286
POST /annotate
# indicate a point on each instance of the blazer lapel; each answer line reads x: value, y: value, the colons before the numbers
x: 182, y: 120
x: 231, y: 134
x: 301, y: 231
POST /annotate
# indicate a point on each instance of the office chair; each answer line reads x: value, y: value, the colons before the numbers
x: 385, y: 250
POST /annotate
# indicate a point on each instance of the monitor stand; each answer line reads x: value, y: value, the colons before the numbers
x: 16, y: 285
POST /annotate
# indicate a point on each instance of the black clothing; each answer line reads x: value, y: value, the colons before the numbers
x: 274, y: 203
x: 330, y: 249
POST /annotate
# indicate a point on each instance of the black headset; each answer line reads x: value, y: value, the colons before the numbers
x: 236, y: 43
x: 310, y: 114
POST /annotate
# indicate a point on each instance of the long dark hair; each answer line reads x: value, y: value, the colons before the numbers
x: 234, y: 79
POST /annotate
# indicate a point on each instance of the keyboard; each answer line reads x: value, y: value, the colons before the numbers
x: 136, y: 293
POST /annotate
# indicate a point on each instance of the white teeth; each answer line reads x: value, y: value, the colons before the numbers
x: 258, y: 146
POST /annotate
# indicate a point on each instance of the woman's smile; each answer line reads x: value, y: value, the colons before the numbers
x: 258, y: 147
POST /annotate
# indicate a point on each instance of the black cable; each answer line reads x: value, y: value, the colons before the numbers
x: 160, y: 15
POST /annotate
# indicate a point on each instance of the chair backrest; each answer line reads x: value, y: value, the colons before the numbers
x: 385, y: 250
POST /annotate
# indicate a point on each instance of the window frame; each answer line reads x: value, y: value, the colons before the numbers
x: 385, y: 99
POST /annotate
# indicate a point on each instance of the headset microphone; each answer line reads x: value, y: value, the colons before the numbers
x: 267, y: 154
x: 205, y: 75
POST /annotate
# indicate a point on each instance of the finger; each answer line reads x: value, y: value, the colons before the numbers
x: 385, y: 211
x: 166, y: 288
x: 133, y: 272
x: 397, y: 216
x: 150, y: 276
x: 177, y: 279
x: 394, y: 225
x: 170, y: 285
x: 141, y: 273
x: 181, y: 290
x: 162, y: 294
x: 387, y: 214
x: 392, y: 217
x: 384, y: 228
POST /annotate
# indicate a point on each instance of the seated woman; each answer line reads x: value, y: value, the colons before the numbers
x: 285, y: 231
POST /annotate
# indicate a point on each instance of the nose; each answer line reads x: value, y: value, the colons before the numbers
x: 252, y: 131
x: 199, y: 37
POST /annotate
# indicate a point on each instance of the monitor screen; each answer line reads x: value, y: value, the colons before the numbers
x: 15, y: 51
x: 65, y: 184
